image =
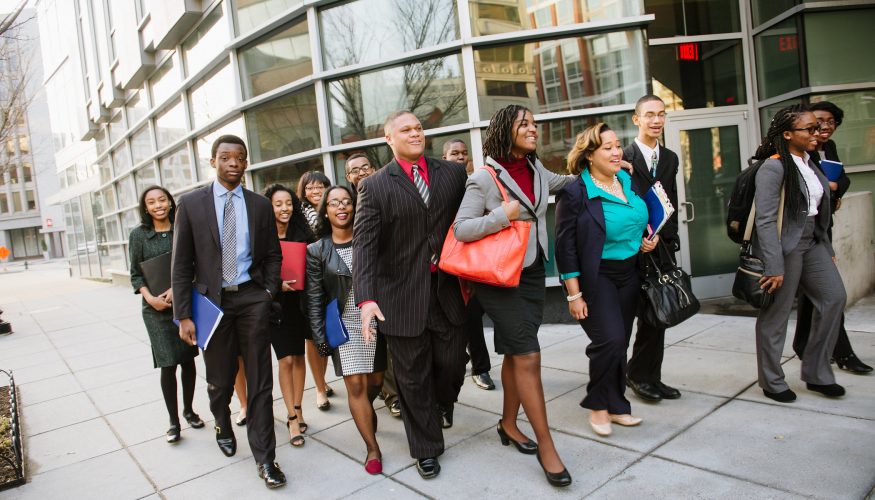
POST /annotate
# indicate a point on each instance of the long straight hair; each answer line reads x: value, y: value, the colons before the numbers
x: 774, y: 143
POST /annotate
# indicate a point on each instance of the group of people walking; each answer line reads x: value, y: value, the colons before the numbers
x: 375, y: 249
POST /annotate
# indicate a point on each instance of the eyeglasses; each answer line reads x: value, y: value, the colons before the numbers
x: 810, y: 130
x: 345, y: 202
x: 360, y: 170
x: 650, y: 116
x: 830, y: 122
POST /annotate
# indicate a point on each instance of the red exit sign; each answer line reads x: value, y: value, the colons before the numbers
x: 688, y: 52
x: 788, y: 43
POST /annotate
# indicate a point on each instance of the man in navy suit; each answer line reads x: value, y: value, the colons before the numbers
x: 225, y: 246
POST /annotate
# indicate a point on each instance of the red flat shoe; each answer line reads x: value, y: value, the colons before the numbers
x: 374, y: 466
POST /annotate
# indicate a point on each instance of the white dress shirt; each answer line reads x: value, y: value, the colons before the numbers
x: 813, y: 189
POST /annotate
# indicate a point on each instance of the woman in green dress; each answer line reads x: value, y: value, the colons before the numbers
x: 154, y: 237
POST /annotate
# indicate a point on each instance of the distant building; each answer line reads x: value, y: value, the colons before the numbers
x: 29, y: 227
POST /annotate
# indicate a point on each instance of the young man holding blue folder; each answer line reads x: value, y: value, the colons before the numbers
x: 652, y: 162
x: 226, y: 248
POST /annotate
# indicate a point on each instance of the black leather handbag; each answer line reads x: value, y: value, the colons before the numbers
x: 669, y: 298
x: 747, y: 280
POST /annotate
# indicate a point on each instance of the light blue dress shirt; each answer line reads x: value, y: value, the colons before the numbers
x: 624, y: 221
x: 244, y: 251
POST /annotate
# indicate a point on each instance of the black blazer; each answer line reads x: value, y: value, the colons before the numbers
x: 197, y: 248
x: 666, y: 173
x: 328, y: 278
x: 580, y: 234
x: 394, y: 235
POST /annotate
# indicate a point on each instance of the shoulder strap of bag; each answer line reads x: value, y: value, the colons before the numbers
x: 497, y: 183
x: 748, y: 229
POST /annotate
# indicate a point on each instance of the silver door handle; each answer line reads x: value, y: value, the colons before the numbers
x: 691, y: 211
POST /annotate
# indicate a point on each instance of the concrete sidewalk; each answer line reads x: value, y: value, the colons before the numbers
x: 94, y: 419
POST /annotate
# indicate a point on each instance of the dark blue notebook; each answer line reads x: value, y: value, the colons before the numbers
x: 832, y: 169
x: 206, y: 317
x: 335, y: 330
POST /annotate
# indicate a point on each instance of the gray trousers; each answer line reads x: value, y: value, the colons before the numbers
x: 810, y: 268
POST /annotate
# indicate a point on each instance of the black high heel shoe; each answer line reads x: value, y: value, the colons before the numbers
x: 560, y: 479
x: 528, y: 447
x: 852, y: 364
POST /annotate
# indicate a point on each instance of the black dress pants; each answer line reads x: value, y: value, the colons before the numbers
x: 645, y: 364
x: 804, y: 315
x: 429, y: 372
x: 609, y: 327
x: 244, y: 331
x: 477, y: 349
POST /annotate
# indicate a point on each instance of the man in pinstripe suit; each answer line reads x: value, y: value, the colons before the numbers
x: 403, y: 215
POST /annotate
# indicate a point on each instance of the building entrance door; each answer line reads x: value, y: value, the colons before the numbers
x: 712, y: 150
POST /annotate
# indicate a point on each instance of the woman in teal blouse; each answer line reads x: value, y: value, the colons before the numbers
x: 600, y: 227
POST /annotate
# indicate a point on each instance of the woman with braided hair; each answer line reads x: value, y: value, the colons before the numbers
x: 509, y: 146
x: 797, y: 253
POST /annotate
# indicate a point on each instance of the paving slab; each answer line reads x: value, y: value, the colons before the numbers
x: 128, y: 394
x: 112, y: 474
x: 69, y: 445
x: 113, y: 373
x: 41, y: 371
x: 15, y: 346
x: 555, y: 382
x: 861, y: 317
x: 58, y: 413
x: 48, y: 389
x: 736, y: 335
x: 715, y: 372
x: 666, y: 480
x: 568, y: 355
x: 687, y: 329
x: 385, y: 489
x: 783, y: 448
x: 131, y: 351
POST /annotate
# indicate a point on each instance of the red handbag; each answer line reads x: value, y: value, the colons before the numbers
x: 496, y: 259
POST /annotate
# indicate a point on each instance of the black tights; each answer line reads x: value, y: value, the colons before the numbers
x: 168, y: 388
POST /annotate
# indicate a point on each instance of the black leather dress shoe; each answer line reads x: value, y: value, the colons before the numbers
x: 395, y: 409
x: 853, y: 364
x: 667, y: 392
x: 483, y: 381
x: 193, y: 419
x: 781, y: 397
x: 272, y: 475
x: 645, y: 390
x: 428, y: 467
x: 446, y: 417
x: 173, y: 434
x: 226, y: 441
x: 559, y: 479
x: 829, y: 390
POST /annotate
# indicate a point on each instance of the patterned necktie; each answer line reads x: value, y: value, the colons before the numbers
x: 229, y: 241
x: 422, y: 187
x: 653, y: 162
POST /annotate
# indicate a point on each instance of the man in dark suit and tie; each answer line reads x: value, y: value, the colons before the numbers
x: 403, y: 215
x: 225, y: 245
x: 650, y: 163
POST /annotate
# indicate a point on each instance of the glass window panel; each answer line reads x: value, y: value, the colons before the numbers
x: 778, y: 61
x: 176, y: 170
x: 491, y: 17
x: 13, y: 174
x: 284, y: 126
x: 206, y: 42
x: 165, y: 82
x: 30, y: 200
x: 828, y: 35
x: 768, y: 112
x: 763, y: 10
x: 121, y: 160
x: 145, y: 177
x: 432, y: 89
x: 137, y: 107
x: 213, y: 97
x: 130, y: 220
x: 276, y: 60
x: 100, y: 142
x: 112, y: 258
x: 17, y: 206
x: 252, y: 13
x: 287, y: 174
x: 204, y: 145
x: 141, y: 145
x: 699, y: 74
x: 113, y: 230
x: 108, y: 197
x: 4, y: 203
x: 170, y: 126
x: 116, y: 127
x: 560, y: 75
x: 27, y: 171
x: 692, y: 17
x: 127, y: 195
x: 854, y: 138
x: 373, y: 30
x: 103, y: 167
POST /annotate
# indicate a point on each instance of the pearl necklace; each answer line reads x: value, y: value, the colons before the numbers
x: 613, y: 189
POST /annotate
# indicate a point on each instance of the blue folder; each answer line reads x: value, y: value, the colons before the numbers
x: 659, y: 208
x: 206, y: 317
x: 335, y: 331
x: 832, y: 169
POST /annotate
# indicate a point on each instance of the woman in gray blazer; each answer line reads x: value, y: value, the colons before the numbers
x: 509, y: 146
x: 800, y: 256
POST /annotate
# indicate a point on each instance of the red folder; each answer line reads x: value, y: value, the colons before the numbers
x: 294, y: 263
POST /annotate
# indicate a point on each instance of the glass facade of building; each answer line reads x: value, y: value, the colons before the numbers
x: 307, y: 83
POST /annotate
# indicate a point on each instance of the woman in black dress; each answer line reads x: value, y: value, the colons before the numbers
x: 154, y: 237
x: 287, y: 335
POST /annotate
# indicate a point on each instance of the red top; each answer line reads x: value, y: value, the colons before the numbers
x: 522, y: 175
x: 407, y: 167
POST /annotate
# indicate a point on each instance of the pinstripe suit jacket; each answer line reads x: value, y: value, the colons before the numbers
x: 391, y: 247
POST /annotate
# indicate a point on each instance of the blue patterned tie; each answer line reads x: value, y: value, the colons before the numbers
x: 229, y: 241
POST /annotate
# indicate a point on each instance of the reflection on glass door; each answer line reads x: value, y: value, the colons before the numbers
x: 711, y: 153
